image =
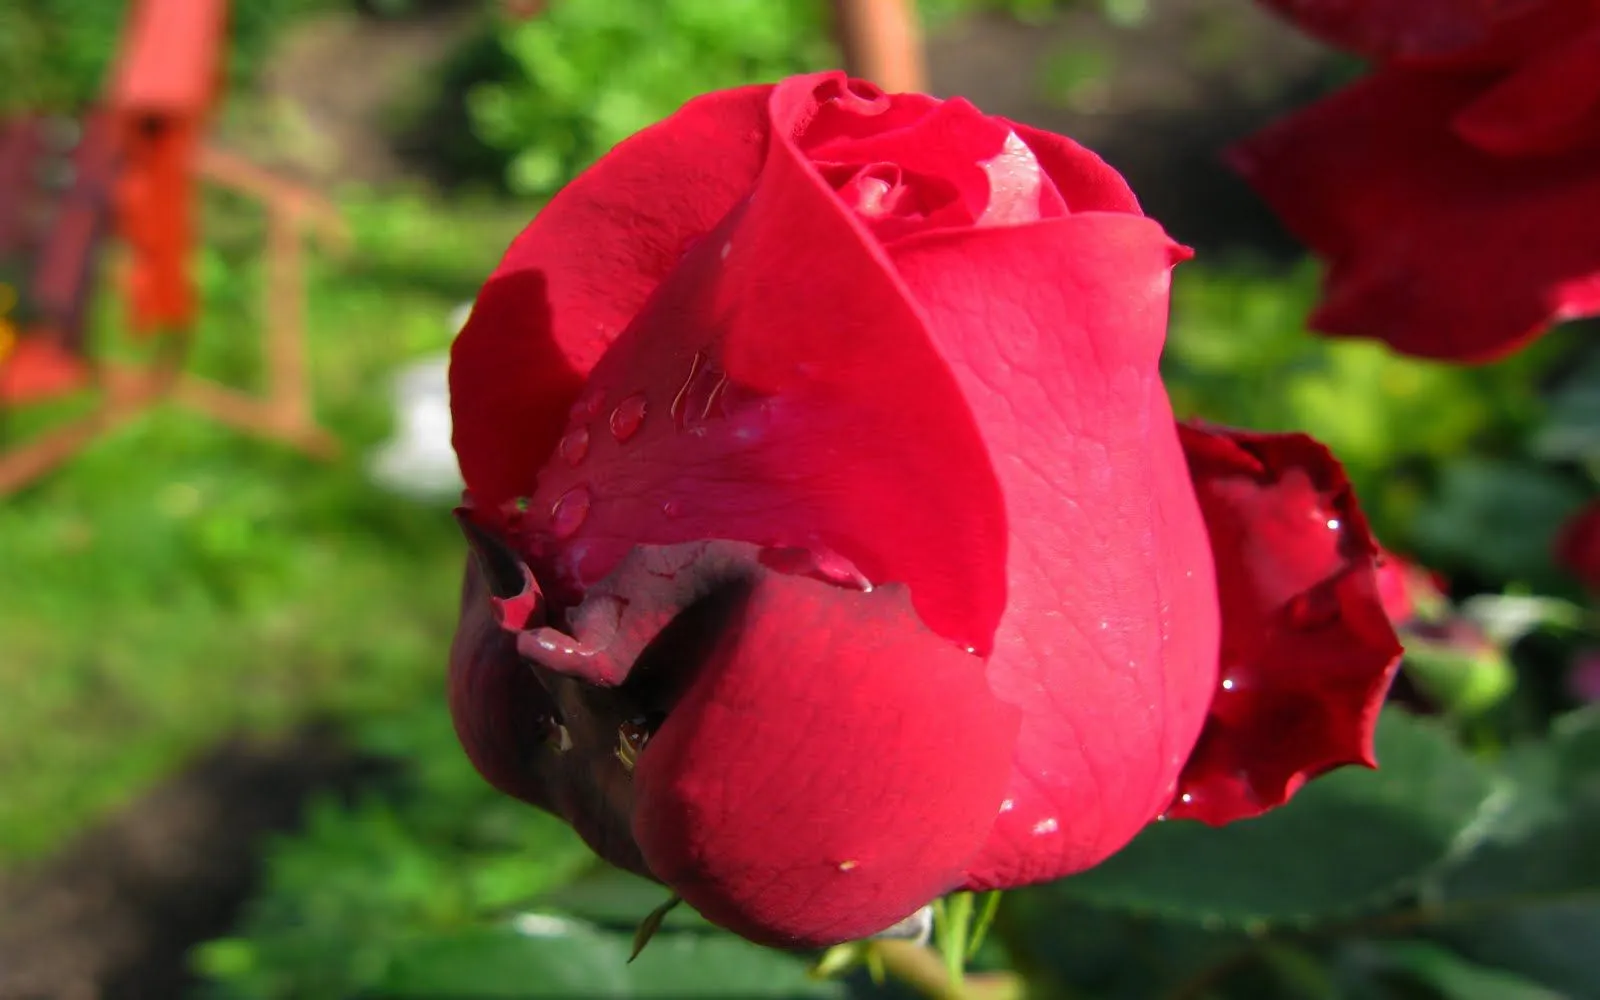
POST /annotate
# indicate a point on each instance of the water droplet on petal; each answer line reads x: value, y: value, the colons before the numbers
x: 680, y: 401
x: 672, y: 508
x: 1044, y: 826
x: 575, y: 446
x: 587, y: 404
x: 845, y: 866
x: 1333, y: 524
x: 1228, y: 684
x: 1186, y: 798
x: 568, y: 512
x: 628, y: 416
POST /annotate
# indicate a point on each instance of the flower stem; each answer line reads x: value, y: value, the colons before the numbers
x: 924, y: 970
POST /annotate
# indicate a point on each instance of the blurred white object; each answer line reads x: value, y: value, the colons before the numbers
x: 418, y: 461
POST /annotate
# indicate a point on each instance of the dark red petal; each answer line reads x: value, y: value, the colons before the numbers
x: 1454, y: 32
x: 781, y: 389
x: 1577, y: 546
x: 551, y: 748
x: 1307, y: 650
x: 1432, y: 245
x: 832, y: 768
x: 1108, y: 642
x: 578, y: 274
x: 1549, y: 104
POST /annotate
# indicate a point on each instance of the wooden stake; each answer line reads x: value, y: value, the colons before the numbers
x: 882, y: 43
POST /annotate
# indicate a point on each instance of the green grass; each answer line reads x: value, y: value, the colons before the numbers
x: 179, y: 581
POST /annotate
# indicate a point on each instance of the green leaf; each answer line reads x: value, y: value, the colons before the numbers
x: 1528, y: 898
x: 1456, y: 978
x: 560, y: 958
x: 543, y: 955
x: 1348, y: 841
x: 617, y: 900
x: 1571, y: 428
x: 1497, y: 518
x: 651, y: 924
x: 1543, y: 842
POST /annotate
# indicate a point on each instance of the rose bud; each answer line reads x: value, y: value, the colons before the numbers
x: 835, y: 545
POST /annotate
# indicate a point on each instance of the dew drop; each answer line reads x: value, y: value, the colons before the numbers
x: 1044, y: 826
x: 587, y: 404
x: 1186, y: 798
x: 568, y: 512
x: 845, y: 866
x: 1333, y: 524
x: 680, y: 401
x: 672, y: 508
x: 575, y: 446
x: 628, y: 416
x: 1227, y: 684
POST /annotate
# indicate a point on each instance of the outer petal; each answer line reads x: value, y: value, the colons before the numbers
x: 1108, y: 642
x: 833, y: 767
x: 507, y: 720
x: 1440, y: 249
x: 580, y: 271
x: 1454, y: 32
x: 1307, y: 649
x: 781, y: 388
x: 1550, y: 104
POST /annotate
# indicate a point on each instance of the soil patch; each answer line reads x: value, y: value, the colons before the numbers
x: 113, y: 916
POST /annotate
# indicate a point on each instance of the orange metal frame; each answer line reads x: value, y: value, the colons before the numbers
x: 160, y: 93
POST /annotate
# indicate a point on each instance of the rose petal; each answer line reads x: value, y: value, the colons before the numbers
x: 1432, y: 245
x: 554, y: 750
x: 1550, y: 104
x: 789, y: 393
x: 579, y: 272
x: 1307, y: 650
x: 948, y: 142
x: 1085, y: 182
x: 1436, y: 32
x: 832, y: 768
x: 1577, y: 546
x: 1108, y: 642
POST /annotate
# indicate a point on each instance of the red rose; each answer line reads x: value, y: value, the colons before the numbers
x: 1453, y: 190
x: 1577, y: 546
x: 837, y: 547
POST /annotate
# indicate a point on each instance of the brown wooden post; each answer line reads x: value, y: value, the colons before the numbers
x: 882, y: 43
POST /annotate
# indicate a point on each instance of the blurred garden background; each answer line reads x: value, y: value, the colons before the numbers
x: 226, y: 765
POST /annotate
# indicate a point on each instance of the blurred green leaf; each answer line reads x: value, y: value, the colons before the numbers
x: 1528, y: 898
x: 551, y: 956
x: 1349, y: 840
x: 1456, y: 978
x: 617, y: 900
x: 1570, y: 430
x: 1497, y: 518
